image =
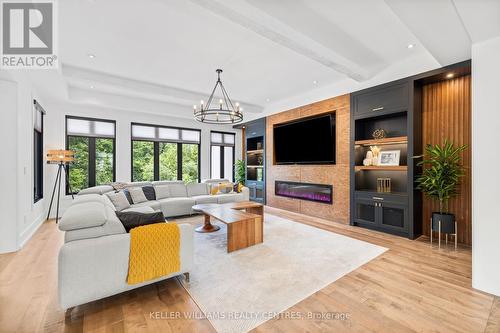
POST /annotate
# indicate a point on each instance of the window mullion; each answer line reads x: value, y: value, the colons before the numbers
x: 156, y: 160
x: 92, y: 162
x: 179, y: 161
x: 221, y: 176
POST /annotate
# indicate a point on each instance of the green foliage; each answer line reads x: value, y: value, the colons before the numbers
x: 103, y: 161
x: 189, y: 163
x: 143, y: 161
x: 79, y: 169
x: 442, y: 170
x: 78, y: 174
x: 240, y: 172
x: 168, y: 161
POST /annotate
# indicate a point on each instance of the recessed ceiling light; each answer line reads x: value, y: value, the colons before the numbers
x: 268, y: 100
x: 410, y: 46
x: 450, y: 75
x: 315, y: 82
x: 91, y: 87
x: 91, y: 56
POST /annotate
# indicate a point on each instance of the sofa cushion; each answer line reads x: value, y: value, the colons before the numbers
x: 138, y: 184
x: 141, y: 209
x: 149, y: 192
x: 112, y: 226
x: 231, y: 197
x: 137, y: 194
x: 162, y: 191
x: 195, y: 189
x: 132, y: 220
x: 177, y: 206
x: 87, y: 198
x: 154, y: 204
x: 214, y: 181
x: 166, y: 182
x: 177, y: 190
x: 83, y: 215
x: 204, y: 199
x: 101, y: 189
x: 119, y: 200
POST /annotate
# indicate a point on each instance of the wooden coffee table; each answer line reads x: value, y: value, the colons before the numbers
x: 244, y: 222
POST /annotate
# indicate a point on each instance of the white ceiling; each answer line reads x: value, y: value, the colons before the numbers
x: 154, y: 55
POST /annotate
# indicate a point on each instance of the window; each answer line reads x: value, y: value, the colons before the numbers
x: 165, y: 153
x: 93, y: 141
x: 38, y: 114
x: 222, y: 155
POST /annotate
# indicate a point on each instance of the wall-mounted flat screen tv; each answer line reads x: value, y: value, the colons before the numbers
x: 306, y: 141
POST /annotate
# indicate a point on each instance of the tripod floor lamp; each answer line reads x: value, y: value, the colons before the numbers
x: 61, y: 158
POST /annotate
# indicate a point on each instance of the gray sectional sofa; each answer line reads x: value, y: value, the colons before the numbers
x: 93, y: 261
x: 174, y: 198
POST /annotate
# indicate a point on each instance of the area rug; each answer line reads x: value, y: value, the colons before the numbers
x: 240, y: 290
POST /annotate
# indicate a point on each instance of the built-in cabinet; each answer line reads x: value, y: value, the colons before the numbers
x: 255, y: 159
x: 391, y: 108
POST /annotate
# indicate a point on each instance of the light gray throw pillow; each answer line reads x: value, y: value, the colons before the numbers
x: 137, y: 194
x: 119, y: 200
x: 83, y: 215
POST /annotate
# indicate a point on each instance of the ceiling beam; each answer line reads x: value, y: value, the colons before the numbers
x: 267, y: 26
x: 116, y: 85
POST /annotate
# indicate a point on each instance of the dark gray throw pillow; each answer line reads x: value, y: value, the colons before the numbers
x: 135, y: 219
x: 129, y: 197
x: 149, y: 192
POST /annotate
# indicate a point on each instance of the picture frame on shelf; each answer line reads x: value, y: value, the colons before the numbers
x: 389, y: 158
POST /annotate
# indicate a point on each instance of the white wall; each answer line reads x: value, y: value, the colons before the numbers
x: 55, y: 137
x: 485, y: 166
x: 20, y: 216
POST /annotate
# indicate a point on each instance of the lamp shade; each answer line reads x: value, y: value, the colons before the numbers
x: 60, y: 156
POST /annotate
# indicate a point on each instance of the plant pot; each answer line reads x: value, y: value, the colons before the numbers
x: 447, y: 222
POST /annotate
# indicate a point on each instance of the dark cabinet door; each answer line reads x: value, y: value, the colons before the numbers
x: 386, y: 99
x: 366, y: 211
x: 394, y: 216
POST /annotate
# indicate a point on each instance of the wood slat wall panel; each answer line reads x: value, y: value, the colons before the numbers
x: 446, y: 114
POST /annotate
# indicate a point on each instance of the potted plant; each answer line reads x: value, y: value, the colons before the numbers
x: 442, y: 170
x: 240, y: 171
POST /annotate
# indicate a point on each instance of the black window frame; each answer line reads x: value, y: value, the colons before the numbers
x: 38, y: 155
x: 92, y: 152
x: 156, y: 151
x: 222, y: 145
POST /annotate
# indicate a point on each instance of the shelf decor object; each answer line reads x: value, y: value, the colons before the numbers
x: 389, y: 158
x: 61, y: 158
x: 379, y: 134
x: 384, y: 185
x: 442, y: 170
x: 225, y: 112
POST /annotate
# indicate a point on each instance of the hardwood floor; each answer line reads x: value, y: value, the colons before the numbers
x: 410, y: 288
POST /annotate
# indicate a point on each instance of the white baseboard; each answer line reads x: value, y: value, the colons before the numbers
x: 26, y: 235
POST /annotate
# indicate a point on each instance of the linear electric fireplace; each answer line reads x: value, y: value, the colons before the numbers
x: 305, y: 191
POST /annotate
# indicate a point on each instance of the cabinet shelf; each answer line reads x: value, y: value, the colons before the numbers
x: 255, y: 166
x: 255, y: 151
x: 381, y: 142
x: 381, y: 168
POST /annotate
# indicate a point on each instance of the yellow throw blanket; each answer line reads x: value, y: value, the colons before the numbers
x: 154, y: 252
